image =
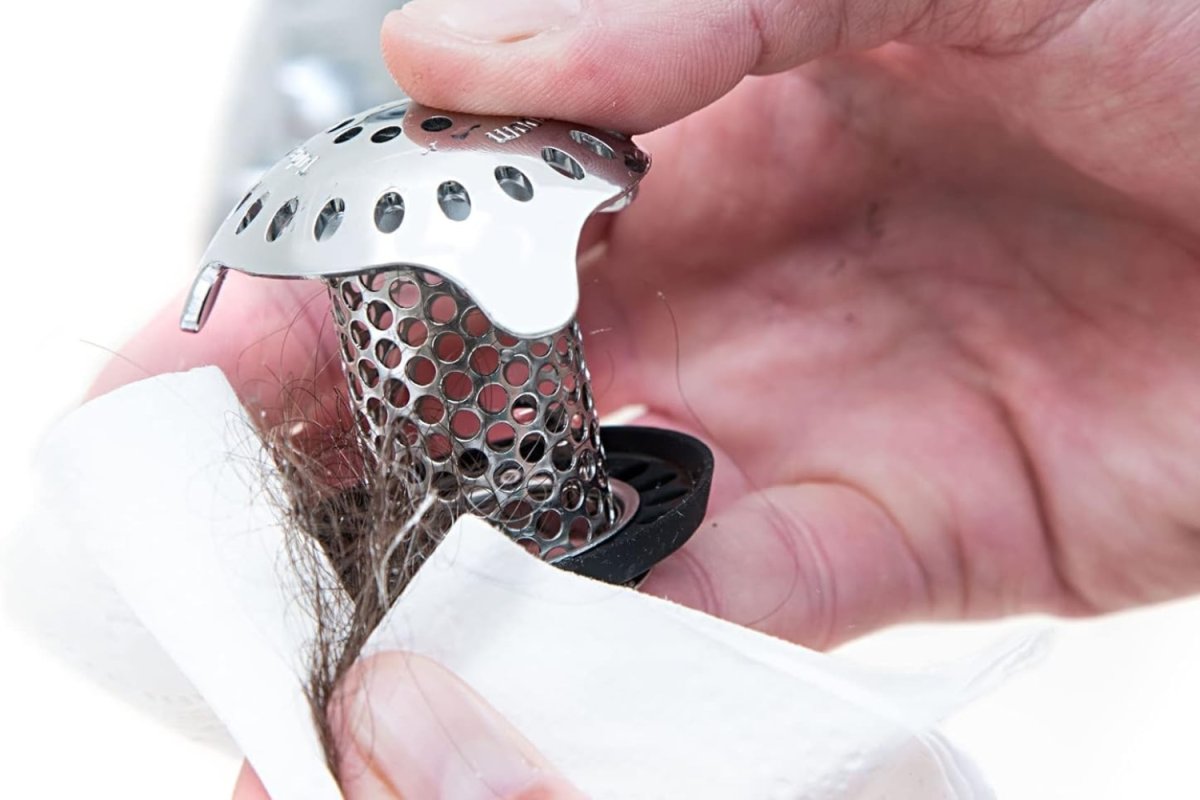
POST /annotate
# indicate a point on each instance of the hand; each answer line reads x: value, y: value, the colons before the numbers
x: 409, y: 729
x: 933, y: 304
x: 936, y: 305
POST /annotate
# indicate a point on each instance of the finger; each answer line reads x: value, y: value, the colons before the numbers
x: 816, y: 564
x: 249, y: 787
x: 640, y: 64
x: 408, y: 728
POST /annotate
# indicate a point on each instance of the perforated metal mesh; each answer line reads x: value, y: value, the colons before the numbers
x: 503, y: 427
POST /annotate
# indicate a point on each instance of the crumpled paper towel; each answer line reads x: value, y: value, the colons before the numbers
x: 156, y: 505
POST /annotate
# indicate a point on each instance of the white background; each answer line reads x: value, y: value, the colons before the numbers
x: 110, y: 123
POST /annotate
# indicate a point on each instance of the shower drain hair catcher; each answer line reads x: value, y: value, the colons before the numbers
x: 448, y: 244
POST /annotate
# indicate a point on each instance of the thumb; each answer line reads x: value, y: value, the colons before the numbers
x: 640, y: 64
x: 408, y: 728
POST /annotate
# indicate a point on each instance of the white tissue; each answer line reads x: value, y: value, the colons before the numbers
x: 635, y: 697
x: 164, y: 483
x: 630, y: 696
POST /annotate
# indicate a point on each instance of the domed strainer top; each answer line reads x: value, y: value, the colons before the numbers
x: 495, y: 204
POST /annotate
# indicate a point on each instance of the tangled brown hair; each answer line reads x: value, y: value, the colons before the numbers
x: 360, y: 525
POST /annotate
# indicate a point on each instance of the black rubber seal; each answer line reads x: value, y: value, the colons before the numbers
x: 672, y: 473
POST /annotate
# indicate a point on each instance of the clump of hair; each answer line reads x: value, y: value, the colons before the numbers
x: 361, y: 523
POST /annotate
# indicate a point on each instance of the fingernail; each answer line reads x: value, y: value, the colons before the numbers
x: 420, y: 731
x: 490, y: 20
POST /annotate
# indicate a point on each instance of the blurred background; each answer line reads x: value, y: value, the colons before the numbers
x: 130, y: 128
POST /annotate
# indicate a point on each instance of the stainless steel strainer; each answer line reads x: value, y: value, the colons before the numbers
x: 448, y: 242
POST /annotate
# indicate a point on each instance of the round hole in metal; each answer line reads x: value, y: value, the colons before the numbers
x: 475, y: 323
x: 329, y: 220
x: 430, y: 410
x: 404, y: 293
x: 389, y: 212
x: 563, y: 164
x: 413, y: 332
x: 493, y: 398
x: 473, y: 464
x: 549, y: 525
x: 525, y: 409
x: 442, y: 309
x: 361, y: 335
x: 577, y: 428
x: 252, y: 212
x: 547, y: 380
x: 410, y: 434
x: 348, y: 134
x: 444, y: 485
x: 449, y: 347
x: 351, y: 296
x: 594, y: 144
x: 454, y: 200
x: 587, y: 466
x: 388, y: 353
x: 516, y: 372
x: 421, y: 371
x: 514, y: 183
x: 397, y: 393
x: 580, y: 532
x: 500, y: 437
x: 385, y: 135
x: 593, y: 502
x: 563, y: 456
x: 369, y: 373
x: 508, y: 476
x: 532, y: 448
x: 466, y: 425
x: 457, y: 386
x: 380, y: 315
x: 437, y: 124
x: 572, y: 495
x: 485, y: 360
x: 540, y: 487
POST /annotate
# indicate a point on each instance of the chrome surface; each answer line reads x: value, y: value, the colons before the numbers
x: 496, y: 204
x: 501, y: 427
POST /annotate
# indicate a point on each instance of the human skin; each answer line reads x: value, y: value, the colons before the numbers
x: 933, y: 304
x: 927, y: 283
